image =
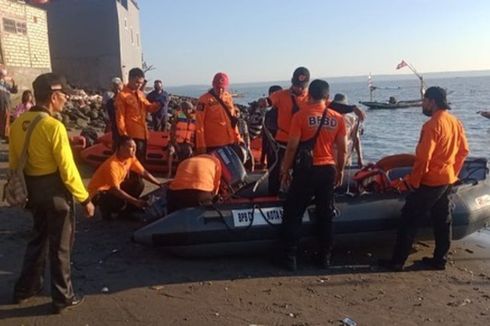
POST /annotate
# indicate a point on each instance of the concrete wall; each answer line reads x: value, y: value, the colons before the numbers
x: 84, y: 40
x: 129, y: 35
x: 91, y: 40
x: 25, y: 55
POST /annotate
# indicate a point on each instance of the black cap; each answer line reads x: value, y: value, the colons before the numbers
x: 274, y: 88
x: 437, y: 94
x: 301, y: 77
x: 340, y: 98
x: 47, y: 83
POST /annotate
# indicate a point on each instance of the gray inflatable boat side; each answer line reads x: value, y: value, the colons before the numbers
x: 252, y: 224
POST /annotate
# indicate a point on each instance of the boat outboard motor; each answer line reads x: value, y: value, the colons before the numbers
x: 233, y: 172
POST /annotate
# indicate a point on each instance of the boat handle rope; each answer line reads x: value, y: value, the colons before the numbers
x: 250, y: 224
x: 275, y: 147
x: 265, y: 217
x: 223, y: 219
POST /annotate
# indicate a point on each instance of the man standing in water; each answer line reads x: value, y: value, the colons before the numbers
x: 439, y: 157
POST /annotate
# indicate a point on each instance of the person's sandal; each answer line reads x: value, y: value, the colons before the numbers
x: 74, y: 302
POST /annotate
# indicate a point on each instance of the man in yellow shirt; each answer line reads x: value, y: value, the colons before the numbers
x: 52, y: 180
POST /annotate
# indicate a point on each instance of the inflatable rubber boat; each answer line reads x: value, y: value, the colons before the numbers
x: 249, y: 220
x: 156, y: 153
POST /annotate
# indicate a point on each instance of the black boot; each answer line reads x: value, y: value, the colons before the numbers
x: 390, y: 265
x: 291, y: 259
x: 324, y: 258
x: 432, y: 263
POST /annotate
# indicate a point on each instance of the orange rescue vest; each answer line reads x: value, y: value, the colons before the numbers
x: 185, y: 129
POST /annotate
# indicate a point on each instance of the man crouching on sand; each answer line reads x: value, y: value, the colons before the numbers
x: 110, y: 187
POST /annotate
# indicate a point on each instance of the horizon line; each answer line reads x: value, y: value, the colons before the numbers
x: 348, y: 76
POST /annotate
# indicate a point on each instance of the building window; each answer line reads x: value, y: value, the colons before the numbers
x: 132, y: 37
x: 34, y: 19
x: 125, y: 23
x: 21, y: 28
x: 138, y: 39
x: 9, y: 25
x: 12, y: 26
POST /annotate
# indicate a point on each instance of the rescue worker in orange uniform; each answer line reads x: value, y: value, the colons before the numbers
x: 182, y: 135
x: 196, y: 182
x: 216, y: 118
x: 112, y: 189
x: 131, y: 111
x: 317, y: 181
x: 439, y: 157
x: 288, y: 102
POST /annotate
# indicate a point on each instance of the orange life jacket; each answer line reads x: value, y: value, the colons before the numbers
x: 372, y: 179
x: 185, y: 129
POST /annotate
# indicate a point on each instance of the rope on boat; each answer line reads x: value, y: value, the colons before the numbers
x: 250, y: 224
x: 275, y: 147
x: 234, y: 230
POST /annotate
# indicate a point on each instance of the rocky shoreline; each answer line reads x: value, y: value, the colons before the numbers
x: 84, y: 110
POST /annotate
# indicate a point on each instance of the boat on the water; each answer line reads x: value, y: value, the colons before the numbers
x: 485, y: 114
x: 373, y: 105
x: 392, y: 103
x: 249, y: 220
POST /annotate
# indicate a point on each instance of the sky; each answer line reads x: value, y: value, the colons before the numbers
x: 188, y: 41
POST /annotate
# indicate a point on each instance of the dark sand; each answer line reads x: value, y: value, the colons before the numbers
x: 148, y: 287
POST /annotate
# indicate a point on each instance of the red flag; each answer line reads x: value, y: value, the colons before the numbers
x: 401, y: 65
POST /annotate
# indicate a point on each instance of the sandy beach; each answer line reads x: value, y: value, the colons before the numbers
x: 126, y: 283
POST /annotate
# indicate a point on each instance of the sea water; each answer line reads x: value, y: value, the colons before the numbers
x: 396, y: 131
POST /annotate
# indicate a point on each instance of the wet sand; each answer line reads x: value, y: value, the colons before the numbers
x: 148, y: 287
